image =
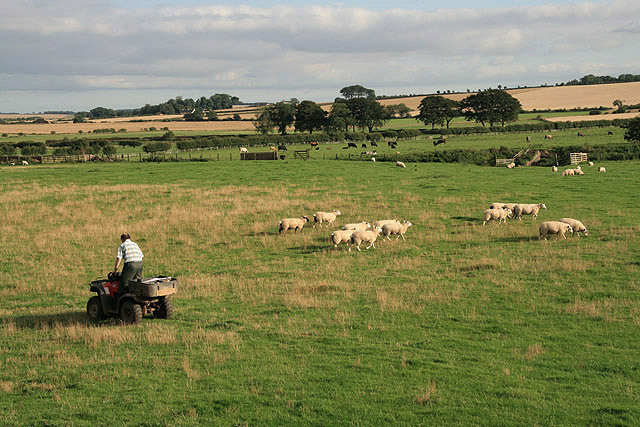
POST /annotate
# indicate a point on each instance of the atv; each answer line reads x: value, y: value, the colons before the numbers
x: 131, y: 303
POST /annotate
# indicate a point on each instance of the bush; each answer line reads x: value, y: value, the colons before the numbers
x: 7, y: 150
x: 156, y: 146
x: 37, y: 149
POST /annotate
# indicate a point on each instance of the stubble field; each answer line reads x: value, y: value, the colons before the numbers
x: 459, y: 324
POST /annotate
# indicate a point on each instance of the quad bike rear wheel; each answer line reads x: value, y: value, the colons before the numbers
x: 130, y: 313
x: 165, y: 310
x: 94, y: 308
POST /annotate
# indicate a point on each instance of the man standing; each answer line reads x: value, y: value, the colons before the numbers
x: 130, y: 253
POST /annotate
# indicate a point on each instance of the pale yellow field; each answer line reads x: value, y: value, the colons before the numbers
x: 591, y: 118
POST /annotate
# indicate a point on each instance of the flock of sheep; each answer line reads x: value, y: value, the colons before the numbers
x: 577, y: 170
x: 501, y: 211
x: 351, y: 234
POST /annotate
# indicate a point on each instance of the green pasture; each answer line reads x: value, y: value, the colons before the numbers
x: 461, y: 324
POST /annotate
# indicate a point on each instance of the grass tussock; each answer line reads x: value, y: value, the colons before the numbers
x: 428, y: 395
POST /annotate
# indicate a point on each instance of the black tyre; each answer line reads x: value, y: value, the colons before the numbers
x: 94, y: 308
x: 165, y: 310
x: 130, y: 313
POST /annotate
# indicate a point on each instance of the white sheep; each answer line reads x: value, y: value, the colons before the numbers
x: 528, y: 209
x: 568, y: 172
x: 576, y: 226
x: 25, y: 163
x: 340, y: 236
x: 360, y: 226
x: 579, y: 172
x: 511, y: 165
x: 554, y: 227
x: 579, y: 167
x: 380, y: 223
x: 396, y: 228
x: 244, y: 150
x: 601, y: 169
x: 295, y: 223
x: 12, y: 164
x: 401, y: 164
x: 368, y: 236
x: 554, y: 169
x: 509, y: 206
x: 500, y: 214
x: 373, y: 159
x: 590, y: 163
x: 328, y: 217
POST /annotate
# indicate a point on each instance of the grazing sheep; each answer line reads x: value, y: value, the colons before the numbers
x: 554, y: 169
x: 576, y: 226
x: 590, y: 163
x: 368, y: 236
x: 328, y: 217
x: 382, y: 222
x: 554, y: 227
x: 579, y: 172
x: 340, y: 236
x: 396, y: 228
x: 370, y: 153
x: 12, y: 164
x: 25, y: 163
x: 579, y: 167
x: 360, y: 226
x: 528, y: 209
x: 568, y: 172
x: 373, y: 159
x: 295, y: 223
x: 601, y: 169
x: 244, y: 150
x: 401, y: 164
x: 548, y: 136
x: 500, y: 214
x: 511, y: 165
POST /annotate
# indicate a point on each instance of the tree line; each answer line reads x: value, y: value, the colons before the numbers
x: 590, y: 79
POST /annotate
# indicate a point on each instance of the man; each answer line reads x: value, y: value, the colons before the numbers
x: 130, y: 253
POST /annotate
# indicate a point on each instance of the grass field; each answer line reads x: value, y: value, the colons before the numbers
x: 461, y: 324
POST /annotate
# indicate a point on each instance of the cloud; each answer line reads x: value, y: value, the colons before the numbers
x: 91, y: 45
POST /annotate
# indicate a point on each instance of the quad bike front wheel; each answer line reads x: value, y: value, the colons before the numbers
x: 94, y: 308
x: 130, y: 313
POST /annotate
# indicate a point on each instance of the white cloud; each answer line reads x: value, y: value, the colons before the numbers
x: 74, y: 45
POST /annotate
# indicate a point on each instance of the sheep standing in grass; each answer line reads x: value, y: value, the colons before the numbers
x: 568, y: 172
x: 601, y: 169
x: 367, y: 236
x: 509, y: 206
x: 554, y: 227
x: 528, y: 209
x: 577, y: 227
x: 590, y: 163
x: 396, y: 228
x: 360, y: 226
x: 373, y: 159
x: 579, y: 172
x: 511, y: 165
x: 496, y: 214
x: 25, y: 163
x: 401, y: 164
x: 382, y: 222
x: 554, y: 169
x: 340, y: 236
x: 244, y: 150
x: 328, y: 217
x: 294, y: 223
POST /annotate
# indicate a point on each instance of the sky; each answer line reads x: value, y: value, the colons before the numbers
x: 80, y: 54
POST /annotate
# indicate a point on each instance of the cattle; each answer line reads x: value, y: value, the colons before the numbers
x: 351, y: 144
x: 243, y: 149
x: 437, y: 142
x: 580, y: 134
x: 272, y: 148
x: 392, y: 144
x: 609, y: 133
x: 25, y: 163
x: 282, y: 147
x: 373, y: 144
x: 364, y: 145
x: 282, y: 156
x: 548, y: 136
x: 528, y: 138
x: 314, y: 144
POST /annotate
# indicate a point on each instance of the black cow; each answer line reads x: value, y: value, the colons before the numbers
x: 364, y: 145
x: 282, y: 147
x: 282, y: 156
x: 373, y: 144
x: 351, y: 144
x: 609, y: 133
x: 439, y: 141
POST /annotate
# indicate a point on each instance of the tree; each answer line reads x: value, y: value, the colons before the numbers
x: 7, y: 150
x: 438, y: 110
x: 212, y: 115
x: 396, y: 110
x: 633, y: 131
x: 357, y: 91
x: 619, y: 103
x: 492, y: 106
x: 309, y: 117
x: 197, y: 115
x: 279, y: 115
x: 340, y: 117
x: 367, y: 113
x: 263, y: 122
x: 108, y: 150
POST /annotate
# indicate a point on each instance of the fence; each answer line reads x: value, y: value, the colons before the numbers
x: 578, y: 158
x: 265, y: 155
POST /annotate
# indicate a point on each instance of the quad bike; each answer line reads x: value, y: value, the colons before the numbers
x: 131, y: 303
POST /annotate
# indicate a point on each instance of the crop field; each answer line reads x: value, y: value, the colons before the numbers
x: 461, y: 324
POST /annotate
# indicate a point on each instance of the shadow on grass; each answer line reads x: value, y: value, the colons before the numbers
x: 469, y: 219
x: 39, y: 321
x: 310, y: 249
x: 516, y: 239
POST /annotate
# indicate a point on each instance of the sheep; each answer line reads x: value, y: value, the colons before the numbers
x: 340, y: 236
x: 528, y: 209
x: 579, y: 172
x: 401, y: 164
x: 25, y: 163
x: 511, y: 165
x: 509, y: 206
x: 579, y: 167
x: 601, y: 169
x: 295, y: 223
x: 395, y: 228
x: 554, y: 169
x: 368, y: 236
x: 373, y: 159
x: 568, y: 172
x: 500, y: 214
x: 328, y: 217
x: 380, y: 223
x: 360, y: 226
x: 576, y: 226
x: 244, y: 150
x: 591, y: 164
x: 554, y: 227
x: 370, y: 153
x: 12, y: 164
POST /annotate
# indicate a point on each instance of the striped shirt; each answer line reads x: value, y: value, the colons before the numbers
x: 128, y: 251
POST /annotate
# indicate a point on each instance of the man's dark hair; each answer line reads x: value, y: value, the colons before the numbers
x: 125, y: 236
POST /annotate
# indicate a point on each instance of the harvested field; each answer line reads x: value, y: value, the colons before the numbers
x: 590, y: 118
